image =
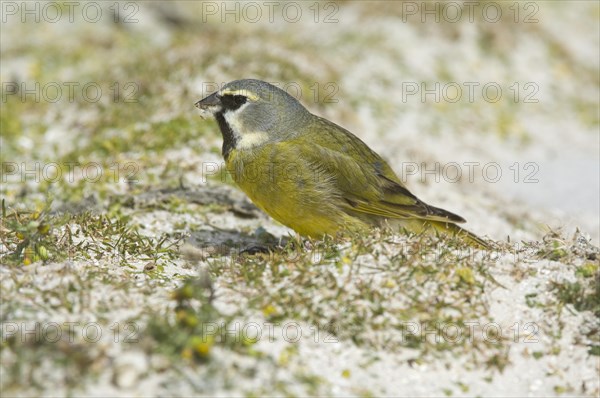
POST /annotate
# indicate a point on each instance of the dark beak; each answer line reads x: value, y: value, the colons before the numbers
x: 211, y: 101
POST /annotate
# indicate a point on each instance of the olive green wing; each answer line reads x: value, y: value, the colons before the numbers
x: 365, y: 182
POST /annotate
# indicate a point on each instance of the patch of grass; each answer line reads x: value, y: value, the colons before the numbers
x: 196, y: 327
x: 582, y: 295
x: 580, y: 292
x: 197, y: 336
x: 27, y: 236
x: 39, y: 235
x: 28, y: 360
x: 346, y: 290
x: 11, y: 125
x: 144, y: 137
x: 112, y: 164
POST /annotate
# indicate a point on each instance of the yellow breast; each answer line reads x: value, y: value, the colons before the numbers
x: 288, y: 190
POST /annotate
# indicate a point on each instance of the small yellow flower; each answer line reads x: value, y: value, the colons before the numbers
x: 465, y: 275
x: 202, y: 345
x: 269, y: 310
x: 389, y: 283
x: 43, y: 229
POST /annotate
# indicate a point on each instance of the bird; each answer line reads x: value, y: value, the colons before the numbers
x: 311, y: 174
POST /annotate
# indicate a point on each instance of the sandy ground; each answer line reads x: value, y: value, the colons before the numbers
x: 494, y: 117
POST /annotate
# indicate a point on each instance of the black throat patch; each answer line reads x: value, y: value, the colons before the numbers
x: 229, y: 140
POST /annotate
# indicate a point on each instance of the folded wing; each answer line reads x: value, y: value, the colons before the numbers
x: 364, y: 180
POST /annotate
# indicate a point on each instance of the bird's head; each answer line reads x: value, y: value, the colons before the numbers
x: 252, y: 112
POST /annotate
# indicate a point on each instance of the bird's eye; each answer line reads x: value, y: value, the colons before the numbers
x: 233, y: 102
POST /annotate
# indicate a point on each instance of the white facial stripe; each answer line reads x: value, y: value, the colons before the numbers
x: 232, y: 118
x: 245, y: 93
x: 245, y: 140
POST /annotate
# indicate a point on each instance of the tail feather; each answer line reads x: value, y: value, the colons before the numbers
x: 454, y: 230
x: 444, y: 228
